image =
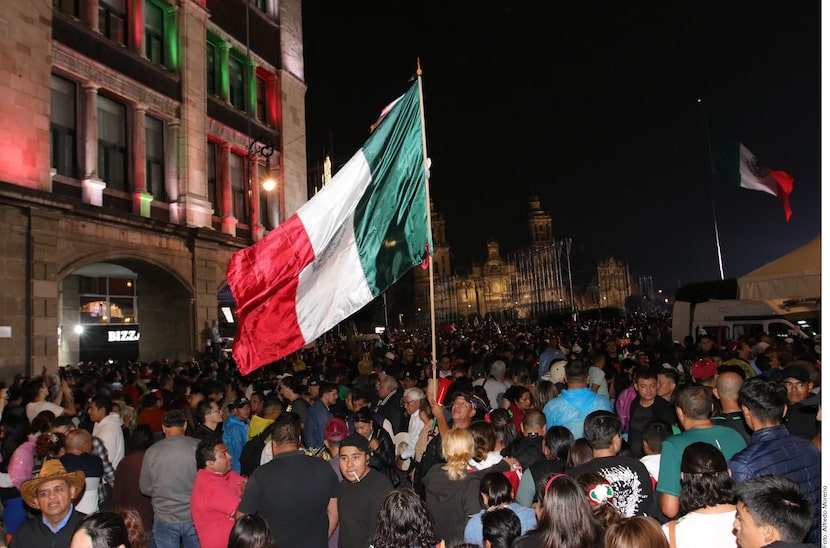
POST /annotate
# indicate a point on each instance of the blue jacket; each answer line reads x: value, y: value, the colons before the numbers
x: 571, y: 408
x: 774, y: 450
x: 234, y: 436
x: 315, y: 424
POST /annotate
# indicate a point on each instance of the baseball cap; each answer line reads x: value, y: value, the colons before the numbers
x: 335, y: 429
x: 241, y: 401
x: 355, y: 440
x: 795, y: 372
x: 734, y: 346
x: 411, y: 373
x: 313, y: 381
x: 704, y: 368
x: 477, y: 403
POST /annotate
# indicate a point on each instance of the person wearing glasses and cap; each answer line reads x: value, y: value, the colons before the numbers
x: 465, y: 407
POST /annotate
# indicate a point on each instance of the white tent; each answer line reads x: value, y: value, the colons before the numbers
x: 796, y: 274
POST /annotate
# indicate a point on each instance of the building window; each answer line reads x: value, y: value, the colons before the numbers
x: 107, y: 300
x: 62, y: 127
x: 261, y: 88
x: 112, y: 143
x: 212, y: 69
x: 69, y: 7
x: 112, y: 20
x: 262, y: 5
x: 240, y: 197
x: 264, y: 210
x: 236, y: 75
x: 213, y: 189
x: 153, y: 33
x: 154, y: 154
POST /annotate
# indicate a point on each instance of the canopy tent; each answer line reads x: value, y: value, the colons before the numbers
x: 796, y: 274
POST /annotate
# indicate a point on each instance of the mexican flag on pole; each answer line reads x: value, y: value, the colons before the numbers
x: 731, y: 159
x: 344, y: 247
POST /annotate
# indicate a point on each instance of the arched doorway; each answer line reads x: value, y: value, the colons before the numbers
x: 123, y: 310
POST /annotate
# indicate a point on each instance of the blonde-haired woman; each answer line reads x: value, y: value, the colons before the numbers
x: 452, y: 488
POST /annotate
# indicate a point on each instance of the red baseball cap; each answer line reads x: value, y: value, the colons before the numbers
x: 704, y: 368
x: 335, y: 429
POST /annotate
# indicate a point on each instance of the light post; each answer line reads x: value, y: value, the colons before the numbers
x: 260, y: 146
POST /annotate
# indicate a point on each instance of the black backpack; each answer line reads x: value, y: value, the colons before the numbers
x: 252, y: 452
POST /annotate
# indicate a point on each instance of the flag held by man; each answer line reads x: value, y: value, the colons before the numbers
x: 731, y: 159
x: 342, y: 248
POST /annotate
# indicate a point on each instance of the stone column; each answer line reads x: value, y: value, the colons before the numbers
x: 141, y: 198
x: 171, y: 167
x: 223, y: 185
x: 92, y: 188
x: 89, y: 13
x: 44, y: 290
x: 135, y: 26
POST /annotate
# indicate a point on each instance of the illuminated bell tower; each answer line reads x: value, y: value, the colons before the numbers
x: 539, y: 224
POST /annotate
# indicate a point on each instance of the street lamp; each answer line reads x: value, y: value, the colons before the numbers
x: 260, y: 146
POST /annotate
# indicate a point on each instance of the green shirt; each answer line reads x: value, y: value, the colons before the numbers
x: 727, y: 440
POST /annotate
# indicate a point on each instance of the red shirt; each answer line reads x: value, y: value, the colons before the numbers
x: 213, y: 503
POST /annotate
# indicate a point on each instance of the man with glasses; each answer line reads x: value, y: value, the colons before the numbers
x: 209, y: 417
x: 801, y: 412
x: 405, y: 444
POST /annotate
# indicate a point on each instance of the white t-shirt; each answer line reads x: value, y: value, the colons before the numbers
x: 710, y: 530
x: 35, y: 407
x: 597, y: 376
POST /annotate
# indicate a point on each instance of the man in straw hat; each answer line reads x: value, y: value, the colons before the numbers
x: 54, y: 493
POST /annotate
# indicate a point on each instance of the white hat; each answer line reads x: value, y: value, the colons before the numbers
x: 557, y: 371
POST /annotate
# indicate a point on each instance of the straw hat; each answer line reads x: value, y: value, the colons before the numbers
x: 51, y: 470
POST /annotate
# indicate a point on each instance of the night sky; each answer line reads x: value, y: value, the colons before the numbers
x: 593, y: 107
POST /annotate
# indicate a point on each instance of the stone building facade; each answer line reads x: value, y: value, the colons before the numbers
x: 136, y: 133
x: 530, y: 283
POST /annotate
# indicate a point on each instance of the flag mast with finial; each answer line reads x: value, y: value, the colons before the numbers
x: 418, y: 73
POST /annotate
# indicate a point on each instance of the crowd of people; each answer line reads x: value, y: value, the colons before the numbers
x: 600, y: 434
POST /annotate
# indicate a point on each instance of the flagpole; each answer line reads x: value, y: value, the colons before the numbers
x: 429, y: 229
x: 712, y: 194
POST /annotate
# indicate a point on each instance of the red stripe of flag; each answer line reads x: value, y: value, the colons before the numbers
x: 269, y: 307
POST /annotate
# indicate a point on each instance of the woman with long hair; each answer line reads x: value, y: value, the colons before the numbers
x: 579, y: 453
x: 601, y: 497
x: 506, y: 431
x: 517, y: 399
x: 452, y: 489
x: 403, y: 522
x: 707, y: 498
x: 545, y: 391
x: 135, y: 526
x: 561, y: 496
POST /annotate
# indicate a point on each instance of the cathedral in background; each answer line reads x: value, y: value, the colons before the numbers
x: 530, y: 283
